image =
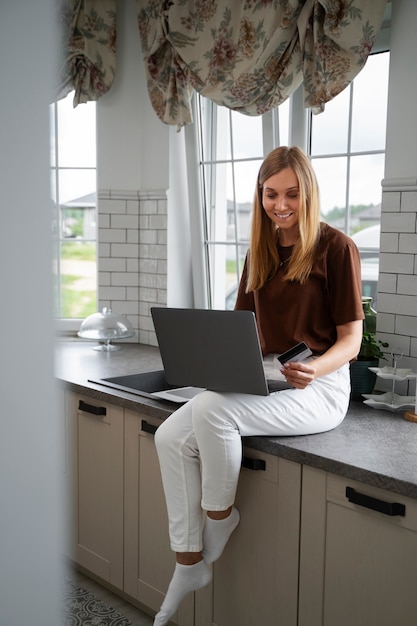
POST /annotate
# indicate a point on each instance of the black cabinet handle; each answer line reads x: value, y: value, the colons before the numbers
x: 90, y: 408
x: 253, y: 464
x: 388, y: 508
x: 148, y: 428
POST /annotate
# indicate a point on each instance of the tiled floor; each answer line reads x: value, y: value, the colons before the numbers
x: 125, y: 608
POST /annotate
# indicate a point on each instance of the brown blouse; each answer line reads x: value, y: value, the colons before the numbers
x: 288, y: 312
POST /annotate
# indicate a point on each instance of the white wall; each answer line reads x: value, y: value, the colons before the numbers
x: 31, y: 441
x: 132, y: 144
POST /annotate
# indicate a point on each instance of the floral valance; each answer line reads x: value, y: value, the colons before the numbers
x: 89, y: 48
x: 247, y: 55
x: 250, y: 55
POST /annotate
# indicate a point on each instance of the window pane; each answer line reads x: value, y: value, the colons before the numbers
x: 75, y: 184
x: 76, y: 134
x: 247, y: 136
x: 329, y: 130
x: 284, y: 123
x: 366, y: 173
x: 246, y: 173
x: 331, y: 175
x: 78, y: 279
x: 369, y: 112
x: 226, y: 264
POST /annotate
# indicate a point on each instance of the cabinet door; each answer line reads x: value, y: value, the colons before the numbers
x: 95, y: 438
x: 149, y: 560
x: 358, y: 564
x: 255, y: 580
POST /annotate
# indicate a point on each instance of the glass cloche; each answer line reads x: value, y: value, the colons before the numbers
x: 106, y: 326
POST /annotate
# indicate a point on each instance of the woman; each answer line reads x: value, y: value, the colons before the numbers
x: 302, y: 279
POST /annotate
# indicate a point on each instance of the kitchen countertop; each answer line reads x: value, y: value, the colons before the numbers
x: 372, y: 446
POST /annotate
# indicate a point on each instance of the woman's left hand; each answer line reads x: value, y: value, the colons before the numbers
x: 299, y: 374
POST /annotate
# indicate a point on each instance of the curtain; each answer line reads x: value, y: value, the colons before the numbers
x: 251, y: 55
x: 89, y: 48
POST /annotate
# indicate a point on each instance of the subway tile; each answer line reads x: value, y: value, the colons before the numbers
x: 148, y: 207
x: 148, y: 295
x: 162, y: 237
x: 132, y: 236
x: 103, y: 220
x: 409, y: 201
x: 398, y: 223
x: 124, y: 221
x: 112, y: 293
x: 148, y: 236
x: 396, y: 304
x: 391, y: 201
x: 162, y: 297
x: 158, y: 252
x: 125, y: 279
x: 130, y: 309
x: 148, y: 280
x: 127, y: 250
x: 406, y: 325
x: 408, y: 285
x: 103, y: 250
x: 148, y: 265
x: 161, y: 281
x: 408, y: 242
x: 112, y: 235
x: 112, y: 265
x: 158, y: 222
x: 385, y: 322
x: 111, y: 206
x: 387, y: 283
x: 132, y: 294
x: 132, y: 207
x: 389, y: 242
x: 396, y: 263
x: 132, y: 265
x: 104, y: 279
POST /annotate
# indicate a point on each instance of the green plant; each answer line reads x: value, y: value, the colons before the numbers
x: 371, y: 347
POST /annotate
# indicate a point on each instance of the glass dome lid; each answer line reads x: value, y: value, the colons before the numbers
x: 106, y: 326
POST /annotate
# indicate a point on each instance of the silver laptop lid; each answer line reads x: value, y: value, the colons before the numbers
x: 217, y: 350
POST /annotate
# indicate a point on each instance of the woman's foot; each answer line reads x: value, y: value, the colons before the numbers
x: 186, y: 578
x: 216, y: 535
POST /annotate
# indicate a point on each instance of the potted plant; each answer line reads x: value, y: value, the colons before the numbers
x: 361, y: 378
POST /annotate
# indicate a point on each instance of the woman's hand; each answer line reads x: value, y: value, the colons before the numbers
x: 349, y: 336
x: 299, y: 374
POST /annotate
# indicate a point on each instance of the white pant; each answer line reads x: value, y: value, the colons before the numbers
x: 200, y: 449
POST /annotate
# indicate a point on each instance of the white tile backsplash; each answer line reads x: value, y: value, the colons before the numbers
x: 397, y: 286
x: 132, y: 256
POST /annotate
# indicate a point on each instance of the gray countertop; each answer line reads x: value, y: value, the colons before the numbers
x: 371, y: 446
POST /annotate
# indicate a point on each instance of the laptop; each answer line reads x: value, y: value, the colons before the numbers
x: 212, y: 349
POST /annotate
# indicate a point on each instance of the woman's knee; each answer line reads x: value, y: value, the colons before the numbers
x: 163, y: 436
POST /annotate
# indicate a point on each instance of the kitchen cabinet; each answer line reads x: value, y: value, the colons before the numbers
x: 95, y: 435
x: 149, y: 560
x: 255, y: 581
x: 306, y: 552
x: 358, y: 565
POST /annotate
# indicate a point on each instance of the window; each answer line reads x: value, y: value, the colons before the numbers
x: 346, y: 144
x: 74, y: 216
x: 347, y: 150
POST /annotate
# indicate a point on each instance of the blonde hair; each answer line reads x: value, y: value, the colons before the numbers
x: 264, y: 258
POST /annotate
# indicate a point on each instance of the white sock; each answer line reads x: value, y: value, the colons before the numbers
x: 186, y: 578
x: 216, y: 535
